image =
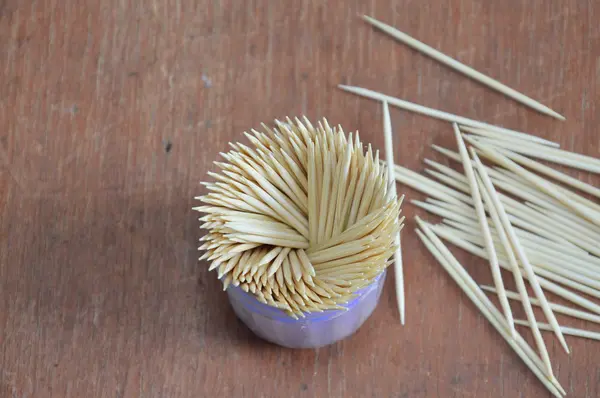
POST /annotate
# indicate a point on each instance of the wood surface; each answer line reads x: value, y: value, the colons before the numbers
x: 111, y: 112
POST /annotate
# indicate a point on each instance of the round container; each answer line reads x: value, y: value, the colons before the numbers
x: 316, y: 329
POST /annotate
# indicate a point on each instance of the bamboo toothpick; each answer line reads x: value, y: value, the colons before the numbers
x: 515, y: 137
x: 462, y: 68
x: 519, y: 252
x: 547, y: 254
x: 562, y: 309
x: 550, y: 285
x: 554, y: 155
x: 554, y: 220
x: 514, y: 267
x: 485, y: 229
x: 476, y: 295
x: 389, y: 155
x: 434, y: 188
x: 447, y: 152
x: 437, y: 114
x: 522, y: 220
x: 459, y: 185
x: 539, y: 182
x: 302, y: 220
x: 550, y: 172
x: 543, y: 263
x: 566, y: 330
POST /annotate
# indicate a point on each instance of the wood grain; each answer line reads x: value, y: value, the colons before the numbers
x: 112, y: 112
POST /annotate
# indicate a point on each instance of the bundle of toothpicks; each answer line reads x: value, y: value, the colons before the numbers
x: 302, y: 218
x: 506, y: 204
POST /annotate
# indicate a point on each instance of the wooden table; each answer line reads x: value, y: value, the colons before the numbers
x: 111, y: 114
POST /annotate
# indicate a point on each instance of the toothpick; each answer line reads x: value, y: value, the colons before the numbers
x: 542, y: 184
x: 514, y: 267
x: 415, y: 179
x: 550, y: 172
x: 389, y: 155
x: 545, y: 283
x: 546, y: 254
x: 543, y: 262
x: 591, y: 205
x: 450, y: 172
x: 485, y: 229
x: 462, y: 68
x: 523, y: 223
x: 459, y: 185
x: 567, y: 330
x: 560, y: 215
x: 437, y: 114
x: 447, y: 152
x: 570, y: 231
x: 541, y: 201
x: 516, y: 137
x: 519, y: 252
x: 298, y: 186
x: 554, y: 155
x: 561, y: 309
x: 485, y: 306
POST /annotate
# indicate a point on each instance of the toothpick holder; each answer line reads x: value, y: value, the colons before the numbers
x: 315, y: 329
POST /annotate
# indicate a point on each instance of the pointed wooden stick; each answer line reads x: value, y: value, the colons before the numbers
x: 539, y: 182
x: 515, y: 137
x: 487, y: 308
x: 523, y: 222
x: 403, y: 174
x: 543, y: 252
x: 561, y: 309
x: 462, y: 68
x: 450, y: 172
x: 447, y: 152
x: 518, y: 277
x: 550, y: 172
x: 566, y: 330
x: 560, y: 215
x: 459, y: 185
x: 529, y: 311
x: 543, y: 203
x: 581, y: 200
x: 541, y: 262
x: 437, y: 114
x: 485, y: 229
x: 508, y: 181
x: 572, y: 229
x: 520, y: 253
x: 389, y: 155
x: 545, y: 283
x: 551, y: 207
x: 554, y: 155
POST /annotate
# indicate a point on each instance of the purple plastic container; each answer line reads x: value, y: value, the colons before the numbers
x: 316, y: 329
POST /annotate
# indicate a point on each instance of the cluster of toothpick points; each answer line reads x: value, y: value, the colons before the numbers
x: 302, y: 218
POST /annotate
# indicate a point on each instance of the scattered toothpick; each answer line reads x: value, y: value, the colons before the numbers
x: 567, y: 330
x: 437, y: 114
x: 389, y: 155
x: 539, y: 182
x: 554, y: 155
x: 485, y: 230
x: 518, y: 249
x: 476, y: 295
x: 562, y: 309
x: 462, y: 68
